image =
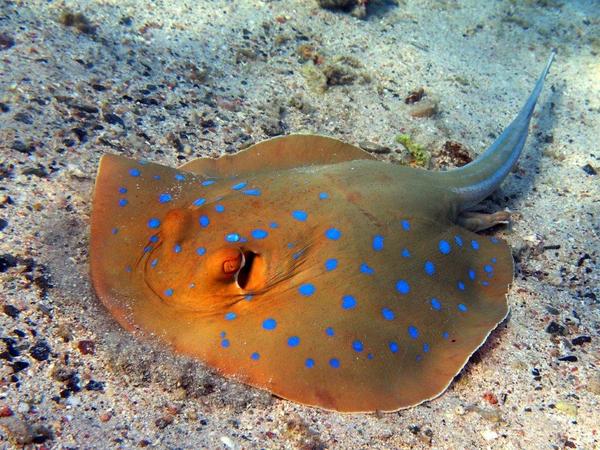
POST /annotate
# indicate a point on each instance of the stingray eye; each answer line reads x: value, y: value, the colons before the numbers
x: 225, y: 263
x: 231, y: 266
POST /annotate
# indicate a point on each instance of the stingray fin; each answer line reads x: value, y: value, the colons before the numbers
x: 280, y: 153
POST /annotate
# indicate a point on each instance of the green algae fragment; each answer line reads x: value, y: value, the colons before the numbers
x: 568, y: 408
x: 418, y: 152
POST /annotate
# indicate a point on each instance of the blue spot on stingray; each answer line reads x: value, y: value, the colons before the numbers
x: 255, y: 356
x: 177, y: 248
x: 127, y: 268
x: 357, y: 346
x: 334, y: 362
x: 444, y: 247
x: 462, y: 307
x: 204, y: 221
x: 485, y: 283
x: 445, y: 335
x: 364, y: 268
x: 249, y: 297
x: 378, y: 243
x: 331, y: 264
x: 169, y: 292
x: 323, y: 195
x: 418, y: 358
x: 297, y: 254
x: 435, y: 304
x: 179, y: 177
x: 269, y: 324
x: 237, y: 187
x: 387, y: 314
x: 290, y: 244
x: 134, y: 172
x: 413, y: 332
x: 405, y: 225
x: 475, y: 244
x: 488, y: 268
x: 425, y: 347
x: 153, y: 223
x: 259, y: 234
x: 232, y: 237
x: 293, y: 341
x: 494, y: 260
x: 147, y: 249
x: 222, y: 334
x: 207, y: 182
x: 429, y: 268
x: 230, y: 316
x: 115, y: 230
x: 123, y: 202
x: 405, y: 253
x: 156, y: 177
x: 494, y: 240
x: 243, y: 239
x: 329, y: 331
x: 199, y: 201
x: 225, y: 343
x: 370, y: 356
x: 460, y: 285
x: 403, y: 287
x: 252, y: 192
x: 458, y: 241
x: 309, y: 363
x: 154, y: 263
x: 122, y: 190
x: 333, y: 233
x: 219, y: 208
x: 274, y: 225
x: 472, y: 274
x: 165, y: 198
x: 300, y: 215
x: 348, y: 302
x: 307, y: 289
x: 200, y: 251
x: 393, y: 347
x: 154, y: 238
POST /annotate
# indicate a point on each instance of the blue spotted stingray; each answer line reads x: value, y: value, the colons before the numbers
x: 305, y: 267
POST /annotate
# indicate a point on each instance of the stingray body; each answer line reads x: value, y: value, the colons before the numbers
x: 303, y: 266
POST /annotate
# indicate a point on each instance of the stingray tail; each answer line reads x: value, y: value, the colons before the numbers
x: 478, y: 179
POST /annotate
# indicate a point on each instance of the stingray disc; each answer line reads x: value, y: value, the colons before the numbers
x: 343, y: 286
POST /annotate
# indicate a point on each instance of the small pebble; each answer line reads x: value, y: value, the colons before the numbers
x: 589, y: 170
x: 40, y: 351
x: 7, y: 261
x: 5, y: 411
x: 567, y: 408
x: 568, y: 358
x: 95, y: 386
x: 164, y: 421
x: 6, y: 41
x: 489, y: 435
x: 580, y: 340
x: 425, y: 108
x: 86, y: 347
x: 556, y: 329
x: 372, y: 147
x: 227, y: 442
x: 11, y: 311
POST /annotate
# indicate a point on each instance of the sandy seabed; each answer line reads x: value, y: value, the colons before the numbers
x: 169, y: 81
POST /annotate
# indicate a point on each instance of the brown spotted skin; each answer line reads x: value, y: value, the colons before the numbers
x: 345, y: 285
